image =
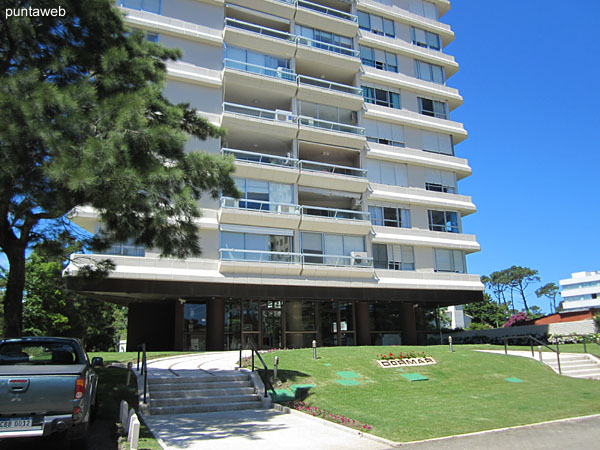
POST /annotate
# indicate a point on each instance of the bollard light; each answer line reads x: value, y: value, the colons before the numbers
x: 275, y: 364
x: 540, y: 352
x: 129, y: 366
x: 450, y: 342
x: 314, y: 343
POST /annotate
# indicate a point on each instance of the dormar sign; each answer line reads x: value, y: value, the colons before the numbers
x: 386, y: 364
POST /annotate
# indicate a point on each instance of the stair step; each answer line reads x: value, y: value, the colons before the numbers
x: 204, y: 408
x: 198, y: 379
x: 181, y: 393
x: 589, y: 369
x: 200, y: 401
x: 200, y: 386
x: 593, y: 376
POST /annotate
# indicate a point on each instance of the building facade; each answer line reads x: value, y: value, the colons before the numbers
x: 349, y: 228
x: 581, y: 291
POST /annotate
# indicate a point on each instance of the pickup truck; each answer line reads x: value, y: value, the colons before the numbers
x: 47, y: 385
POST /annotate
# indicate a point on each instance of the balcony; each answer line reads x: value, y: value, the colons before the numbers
x: 318, y: 130
x: 358, y: 265
x: 279, y: 73
x: 320, y: 90
x: 308, y: 42
x: 341, y: 178
x: 258, y: 119
x: 328, y: 11
x: 326, y: 18
x: 256, y: 37
x: 320, y: 219
x: 244, y: 261
x: 425, y: 238
x: 263, y: 166
x: 259, y: 213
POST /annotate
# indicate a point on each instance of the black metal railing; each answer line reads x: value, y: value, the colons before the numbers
x: 531, y: 340
x: 265, y: 370
x: 144, y: 369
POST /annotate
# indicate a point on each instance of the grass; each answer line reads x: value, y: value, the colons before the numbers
x: 466, y: 390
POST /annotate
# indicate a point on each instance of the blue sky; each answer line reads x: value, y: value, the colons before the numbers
x: 529, y: 78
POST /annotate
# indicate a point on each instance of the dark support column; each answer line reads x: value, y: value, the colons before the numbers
x: 215, y: 324
x: 363, y: 327
x: 179, y: 321
x: 409, y: 325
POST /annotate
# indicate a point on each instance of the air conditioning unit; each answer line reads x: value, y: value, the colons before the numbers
x: 359, y: 258
x: 284, y: 116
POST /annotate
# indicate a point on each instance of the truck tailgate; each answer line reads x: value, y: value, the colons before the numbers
x: 38, y: 390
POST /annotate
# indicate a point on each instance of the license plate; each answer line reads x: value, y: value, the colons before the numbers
x: 15, y: 423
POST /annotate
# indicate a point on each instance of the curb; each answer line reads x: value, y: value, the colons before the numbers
x: 496, y: 430
x: 358, y: 434
x: 162, y: 443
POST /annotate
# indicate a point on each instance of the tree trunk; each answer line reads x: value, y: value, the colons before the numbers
x: 13, y: 296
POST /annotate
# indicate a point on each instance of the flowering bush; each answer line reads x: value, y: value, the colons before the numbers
x: 573, y: 339
x: 321, y: 413
x: 519, y: 317
x: 401, y: 355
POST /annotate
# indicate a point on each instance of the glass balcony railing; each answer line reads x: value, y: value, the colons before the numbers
x: 263, y: 31
x: 244, y: 110
x: 333, y: 213
x: 328, y: 11
x: 329, y: 85
x: 260, y: 205
x: 232, y: 254
x: 280, y: 72
x: 312, y: 166
x: 326, y: 46
x: 360, y: 260
x: 261, y: 158
x: 331, y: 126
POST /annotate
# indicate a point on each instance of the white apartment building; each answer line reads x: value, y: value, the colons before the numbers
x: 349, y: 229
x: 581, y: 291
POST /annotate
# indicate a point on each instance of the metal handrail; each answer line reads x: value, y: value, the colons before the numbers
x: 279, y: 208
x: 302, y: 40
x: 261, y: 158
x: 263, y: 31
x: 277, y: 257
x: 280, y: 72
x: 336, y: 260
x: 265, y: 368
x: 332, y: 126
x: 335, y: 213
x: 531, y: 341
x: 329, y: 85
x: 328, y: 11
x: 251, y: 111
x: 332, y: 168
x: 144, y: 370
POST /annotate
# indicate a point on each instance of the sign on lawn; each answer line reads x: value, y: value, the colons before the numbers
x: 386, y: 364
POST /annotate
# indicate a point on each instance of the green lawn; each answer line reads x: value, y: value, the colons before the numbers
x: 466, y: 390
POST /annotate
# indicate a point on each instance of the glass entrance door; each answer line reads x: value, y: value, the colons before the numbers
x: 336, y: 320
x: 271, y: 336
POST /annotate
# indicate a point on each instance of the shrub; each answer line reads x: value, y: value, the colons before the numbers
x: 515, y: 319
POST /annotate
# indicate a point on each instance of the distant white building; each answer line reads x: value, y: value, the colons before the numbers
x: 581, y: 291
x: 457, y: 317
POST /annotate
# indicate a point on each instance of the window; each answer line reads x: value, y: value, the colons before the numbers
x: 433, y: 108
x: 443, y: 221
x: 429, y: 72
x: 126, y: 248
x: 437, y: 143
x: 384, y: 133
x: 381, y: 97
x: 376, y: 24
x: 423, y: 9
x: 326, y: 40
x: 379, y: 59
x: 152, y: 6
x: 440, y: 181
x: 390, y: 217
x: 449, y: 260
x: 326, y: 112
x: 393, y: 257
x: 258, y: 245
x: 387, y: 173
x: 250, y: 61
x: 267, y: 196
x: 152, y: 37
x: 332, y: 246
x: 425, y: 39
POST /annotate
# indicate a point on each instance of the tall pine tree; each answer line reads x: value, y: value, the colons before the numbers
x: 84, y: 122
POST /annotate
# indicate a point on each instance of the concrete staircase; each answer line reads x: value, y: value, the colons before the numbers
x: 577, y: 365
x: 211, y: 391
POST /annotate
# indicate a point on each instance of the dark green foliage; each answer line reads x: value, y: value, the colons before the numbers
x: 550, y: 291
x: 486, y: 313
x: 84, y: 122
